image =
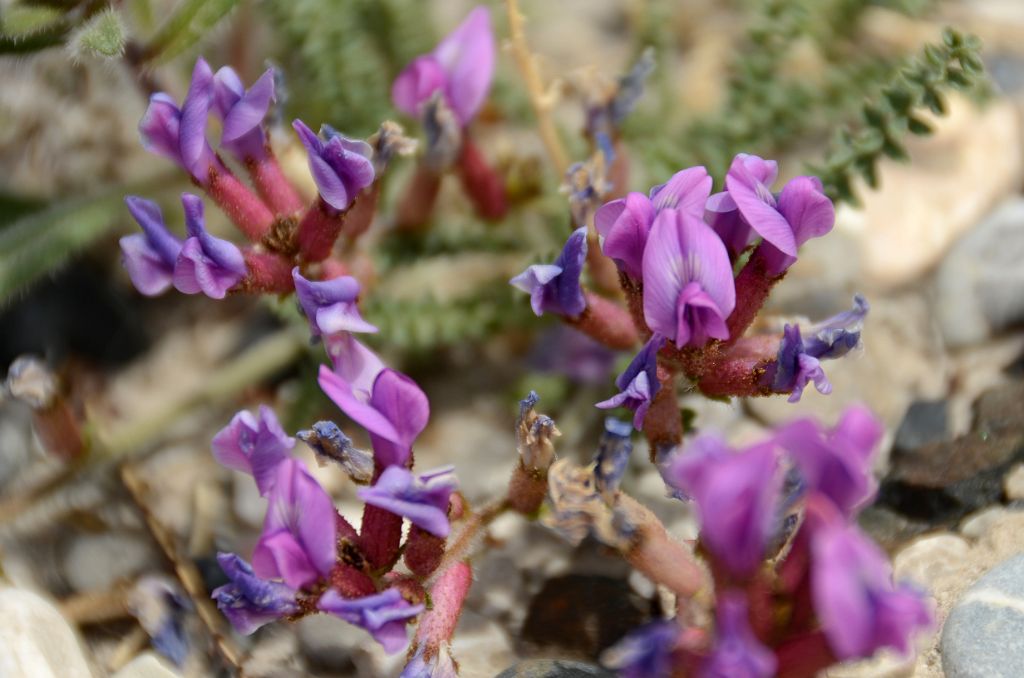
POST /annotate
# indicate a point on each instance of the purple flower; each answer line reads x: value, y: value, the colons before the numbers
x: 248, y: 601
x: 860, y: 609
x: 836, y: 463
x: 242, y: 112
x: 639, y: 383
x: 382, y: 614
x: 737, y: 652
x: 645, y: 652
x: 423, y: 499
x: 460, y: 68
x: 555, y: 288
x: 205, y: 264
x: 801, y: 212
x: 626, y: 223
x: 149, y: 256
x: 253, y: 446
x: 439, y: 665
x: 341, y: 167
x: 736, y: 495
x: 688, y: 285
x: 386, y: 403
x: 612, y: 456
x: 799, y: 360
x: 330, y: 305
x: 180, y: 134
x: 298, y: 543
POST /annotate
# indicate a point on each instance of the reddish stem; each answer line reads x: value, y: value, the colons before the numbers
x: 243, y: 207
x: 273, y: 186
x: 417, y: 203
x: 269, y: 272
x: 423, y: 551
x: 484, y: 187
x: 448, y: 595
x: 527, y: 489
x: 753, y: 285
x: 318, y: 231
x: 663, y: 424
x: 380, y: 537
x: 804, y: 656
x: 57, y: 428
x: 607, y: 322
x: 361, y: 214
x: 350, y: 582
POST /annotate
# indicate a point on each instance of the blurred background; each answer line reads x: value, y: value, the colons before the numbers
x: 94, y: 540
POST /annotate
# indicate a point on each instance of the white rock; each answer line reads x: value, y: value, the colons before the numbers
x: 35, y: 640
x: 1013, y: 484
x: 95, y: 562
x: 146, y: 665
x: 928, y: 558
x: 977, y: 525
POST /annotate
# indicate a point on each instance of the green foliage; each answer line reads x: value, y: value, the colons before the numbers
x: 342, y: 56
x: 190, y: 21
x: 103, y: 36
x: 953, y: 64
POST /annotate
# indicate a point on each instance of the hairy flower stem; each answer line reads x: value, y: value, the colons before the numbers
x: 268, y: 273
x: 448, y: 595
x: 417, y: 204
x: 380, y: 536
x: 607, y: 322
x: 318, y: 231
x: 243, y: 207
x: 753, y: 285
x: 663, y: 424
x: 423, y: 551
x: 484, y: 186
x: 461, y: 544
x: 527, y: 489
x: 360, y: 215
x: 273, y: 186
x: 634, y: 291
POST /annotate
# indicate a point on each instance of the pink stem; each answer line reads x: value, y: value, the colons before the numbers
x: 448, y: 595
x: 273, y: 186
x: 360, y: 216
x: 662, y: 423
x: 242, y: 206
x: 269, y: 272
x: 484, y: 186
x: 318, y: 231
x: 417, y: 203
x: 607, y: 322
x: 753, y: 285
x: 423, y: 551
x: 804, y: 656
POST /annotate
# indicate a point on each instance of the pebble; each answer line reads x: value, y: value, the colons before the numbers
x: 926, y: 421
x: 928, y: 558
x: 984, y: 634
x: 980, y: 283
x: 146, y: 665
x: 35, y: 640
x: 554, y: 668
x: 1013, y: 484
x: 479, y: 646
x: 95, y: 562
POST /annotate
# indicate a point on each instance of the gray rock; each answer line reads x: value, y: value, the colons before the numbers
x: 984, y: 634
x: 926, y: 421
x: 980, y: 284
x: 95, y: 562
x: 554, y: 668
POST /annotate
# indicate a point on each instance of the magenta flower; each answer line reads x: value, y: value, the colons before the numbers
x: 248, y: 601
x: 253, y: 446
x: 460, y: 68
x: 801, y: 212
x: 836, y: 463
x: 180, y: 134
x: 149, y: 256
x: 382, y: 614
x: 645, y: 652
x: 688, y: 285
x: 423, y: 499
x: 638, y: 384
x: 555, y: 288
x: 860, y: 609
x: 341, y: 167
x: 242, y: 112
x: 330, y: 305
x: 737, y: 652
x: 736, y: 494
x: 205, y: 264
x: 386, y: 403
x: 626, y: 223
x: 298, y: 543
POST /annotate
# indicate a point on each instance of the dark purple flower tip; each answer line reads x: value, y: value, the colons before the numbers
x: 341, y: 167
x: 748, y: 182
x: 612, y: 456
x: 555, y: 288
x: 160, y: 126
x: 736, y: 494
x: 205, y: 264
x: 328, y: 441
x: 330, y: 305
x: 737, y: 652
x: 860, y: 609
x: 645, y: 652
x: 392, y: 407
x: 248, y: 601
x: 836, y: 463
x: 687, y: 191
x: 638, y: 384
x: 689, y: 289
x: 383, y: 614
x: 809, y: 213
x: 243, y: 112
x: 298, y: 543
x: 422, y: 499
x: 254, y: 446
x: 149, y: 256
x: 438, y: 665
x: 460, y: 67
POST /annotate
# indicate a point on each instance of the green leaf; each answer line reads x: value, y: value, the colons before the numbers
x: 103, y: 36
x: 192, y: 19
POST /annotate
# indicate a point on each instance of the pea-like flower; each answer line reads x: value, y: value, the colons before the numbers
x: 438, y: 664
x: 689, y: 289
x: 737, y: 652
x: 423, y: 499
x: 383, y: 614
x: 205, y: 264
x: 248, y: 601
x: 298, y: 543
x: 638, y: 384
x: 460, y: 68
x: 555, y: 288
x: 149, y: 256
x: 341, y: 167
x: 253, y: 446
x: 330, y: 305
x: 242, y: 112
x: 645, y: 652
